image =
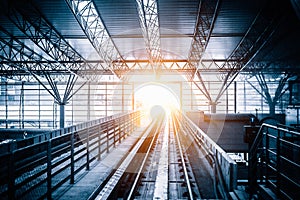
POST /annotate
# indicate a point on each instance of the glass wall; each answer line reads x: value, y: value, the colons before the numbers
x: 29, y: 105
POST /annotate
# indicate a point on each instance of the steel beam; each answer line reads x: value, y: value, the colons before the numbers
x: 91, y: 23
x: 207, y: 13
x: 148, y: 17
x: 36, y: 28
x: 258, y: 34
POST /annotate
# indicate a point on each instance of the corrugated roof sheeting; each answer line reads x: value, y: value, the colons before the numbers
x: 60, y: 16
x: 178, y: 15
x: 119, y: 16
x: 177, y: 19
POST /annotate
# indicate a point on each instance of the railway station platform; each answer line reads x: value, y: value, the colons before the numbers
x: 170, y: 157
x: 90, y: 180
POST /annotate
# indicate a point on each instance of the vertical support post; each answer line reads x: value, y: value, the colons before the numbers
x: 6, y: 105
x: 235, y: 95
x: 123, y: 97
x: 278, y: 167
x: 132, y: 119
x: 61, y: 115
x: 125, y: 126
x: 120, y: 128
x: 88, y: 102
x: 114, y: 125
x: 226, y: 100
x: 107, y: 139
x: 180, y: 90
x: 267, y: 155
x: 88, y: 149
x: 192, y: 106
x: 213, y: 107
x: 132, y: 97
x: 72, y: 111
x: 72, y: 159
x: 99, y: 142
x: 21, y: 117
x: 39, y: 104
x: 245, y: 107
x: 106, y: 99
x: 49, y: 168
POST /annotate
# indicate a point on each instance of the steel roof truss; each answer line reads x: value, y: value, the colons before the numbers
x: 207, y: 13
x: 88, y: 17
x: 148, y: 17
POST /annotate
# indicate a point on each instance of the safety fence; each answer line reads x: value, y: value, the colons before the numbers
x: 38, y: 169
x: 225, y: 169
x: 274, y: 161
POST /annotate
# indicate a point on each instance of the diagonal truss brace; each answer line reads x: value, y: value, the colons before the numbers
x: 207, y: 13
x: 13, y: 49
x: 89, y: 19
x: 30, y: 21
x: 148, y: 17
x: 258, y: 34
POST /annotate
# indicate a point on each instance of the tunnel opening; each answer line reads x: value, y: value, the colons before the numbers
x: 155, y: 99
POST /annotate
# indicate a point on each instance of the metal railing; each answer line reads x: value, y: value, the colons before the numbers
x: 225, y: 168
x: 35, y: 171
x: 7, y: 147
x: 274, y: 161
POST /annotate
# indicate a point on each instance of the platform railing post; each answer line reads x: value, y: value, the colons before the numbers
x: 114, y: 125
x: 49, y: 169
x: 99, y: 142
x: 72, y: 158
x: 120, y: 125
x: 125, y: 126
x: 278, y: 153
x: 88, y: 149
x: 107, y: 139
x: 267, y: 156
x: 132, y: 122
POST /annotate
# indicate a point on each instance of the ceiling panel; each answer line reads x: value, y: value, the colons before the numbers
x: 178, y: 16
x: 220, y: 47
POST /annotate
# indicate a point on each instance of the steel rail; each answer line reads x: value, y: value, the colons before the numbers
x: 186, y: 176
x: 138, y: 176
x: 161, y: 184
x: 105, y: 190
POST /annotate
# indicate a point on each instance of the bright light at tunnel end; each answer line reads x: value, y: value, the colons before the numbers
x: 155, y: 99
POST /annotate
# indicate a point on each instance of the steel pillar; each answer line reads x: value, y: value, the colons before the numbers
x: 62, y: 115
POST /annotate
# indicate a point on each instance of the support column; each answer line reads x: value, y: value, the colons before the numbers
x: 62, y: 115
x: 235, y: 97
x: 132, y: 97
x: 213, y: 107
x: 6, y: 105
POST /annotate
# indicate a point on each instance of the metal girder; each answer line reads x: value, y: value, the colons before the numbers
x: 91, y: 23
x: 207, y: 13
x: 13, y: 73
x: 13, y: 49
x: 257, y: 35
x: 30, y: 21
x: 148, y: 17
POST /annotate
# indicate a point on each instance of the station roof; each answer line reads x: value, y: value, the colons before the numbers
x: 116, y: 33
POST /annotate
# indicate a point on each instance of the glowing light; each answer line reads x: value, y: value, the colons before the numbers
x: 152, y: 96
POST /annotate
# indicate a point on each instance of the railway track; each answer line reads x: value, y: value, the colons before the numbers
x: 159, y: 167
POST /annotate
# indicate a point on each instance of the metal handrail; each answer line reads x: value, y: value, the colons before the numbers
x: 225, y: 168
x: 274, y: 159
x: 7, y: 147
x: 34, y: 167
